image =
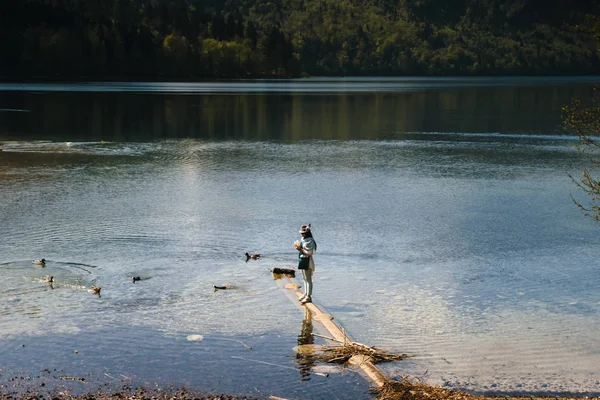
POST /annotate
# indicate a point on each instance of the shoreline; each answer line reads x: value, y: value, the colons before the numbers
x: 409, y: 391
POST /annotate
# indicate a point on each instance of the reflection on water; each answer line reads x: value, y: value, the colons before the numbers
x: 461, y: 248
x: 282, y: 110
x: 306, y: 358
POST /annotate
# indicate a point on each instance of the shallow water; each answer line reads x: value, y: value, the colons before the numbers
x: 463, y: 249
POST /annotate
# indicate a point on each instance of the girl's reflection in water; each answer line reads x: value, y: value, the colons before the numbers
x: 306, y: 353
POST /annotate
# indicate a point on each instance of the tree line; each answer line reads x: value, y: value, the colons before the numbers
x: 203, y: 39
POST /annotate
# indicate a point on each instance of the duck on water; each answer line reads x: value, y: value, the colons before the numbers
x: 253, y: 256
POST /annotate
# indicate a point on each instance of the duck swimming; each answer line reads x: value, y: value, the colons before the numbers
x: 254, y: 256
x: 41, y: 262
x: 49, y: 279
x: 95, y: 290
x: 136, y: 278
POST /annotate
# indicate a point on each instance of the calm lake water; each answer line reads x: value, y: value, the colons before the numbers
x: 441, y: 208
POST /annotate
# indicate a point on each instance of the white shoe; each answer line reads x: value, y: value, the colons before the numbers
x: 307, y: 299
x: 302, y: 297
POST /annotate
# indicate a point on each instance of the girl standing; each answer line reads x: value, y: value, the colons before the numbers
x: 306, y: 247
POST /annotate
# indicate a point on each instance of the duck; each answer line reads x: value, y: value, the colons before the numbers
x: 136, y: 278
x: 41, y: 262
x: 253, y: 256
x: 49, y: 279
x: 95, y: 290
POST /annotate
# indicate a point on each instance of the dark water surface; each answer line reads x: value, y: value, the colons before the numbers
x: 441, y: 207
x: 323, y: 109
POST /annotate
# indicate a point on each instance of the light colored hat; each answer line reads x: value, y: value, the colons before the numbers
x: 304, y: 228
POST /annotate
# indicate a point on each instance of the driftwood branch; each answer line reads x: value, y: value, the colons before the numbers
x: 345, y: 342
x: 326, y: 337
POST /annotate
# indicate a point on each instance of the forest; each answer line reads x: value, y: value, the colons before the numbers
x: 217, y: 39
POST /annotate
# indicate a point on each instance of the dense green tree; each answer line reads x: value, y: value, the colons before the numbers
x: 68, y: 39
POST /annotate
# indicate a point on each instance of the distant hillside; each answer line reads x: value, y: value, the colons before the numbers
x: 200, y: 39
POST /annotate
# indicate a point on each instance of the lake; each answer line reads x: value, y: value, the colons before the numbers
x: 441, y: 207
